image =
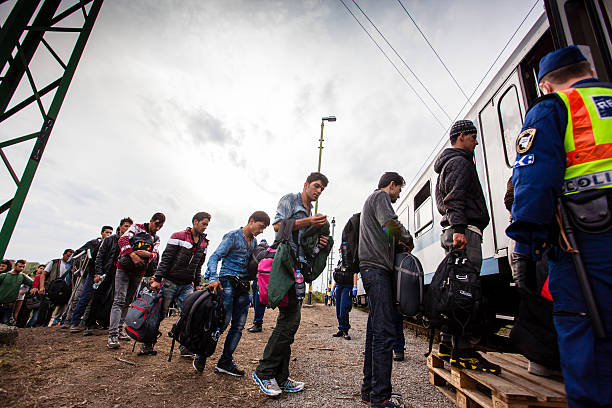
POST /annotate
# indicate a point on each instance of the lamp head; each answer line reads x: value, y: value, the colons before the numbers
x: 329, y: 118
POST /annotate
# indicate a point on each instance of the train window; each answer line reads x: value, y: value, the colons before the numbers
x: 510, y: 121
x: 423, y: 213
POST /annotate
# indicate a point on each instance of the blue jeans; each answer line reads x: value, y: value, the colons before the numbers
x: 344, y: 304
x: 258, y: 307
x: 33, y: 319
x: 399, y: 342
x: 236, y: 305
x: 380, y: 334
x: 171, y: 292
x: 86, y: 294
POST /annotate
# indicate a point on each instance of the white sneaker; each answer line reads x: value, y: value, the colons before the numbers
x: 269, y: 387
x: 291, y: 386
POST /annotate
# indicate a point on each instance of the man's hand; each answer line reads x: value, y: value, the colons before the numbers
x: 459, y: 241
x: 155, y: 285
x: 33, y: 291
x: 407, y: 247
x: 97, y: 278
x: 143, y: 254
x: 354, y: 291
x: 138, y: 262
x: 199, y: 287
x: 214, y: 285
x: 318, y: 220
x: 323, y: 240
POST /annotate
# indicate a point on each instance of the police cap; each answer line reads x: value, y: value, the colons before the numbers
x: 559, y: 59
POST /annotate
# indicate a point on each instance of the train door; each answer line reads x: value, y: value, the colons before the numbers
x: 500, y: 122
x: 584, y: 22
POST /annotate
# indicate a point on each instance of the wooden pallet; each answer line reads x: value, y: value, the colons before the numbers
x: 513, y: 388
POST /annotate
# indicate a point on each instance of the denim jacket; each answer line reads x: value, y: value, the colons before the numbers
x: 235, y: 255
x: 291, y: 206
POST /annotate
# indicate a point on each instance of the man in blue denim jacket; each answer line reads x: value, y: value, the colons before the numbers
x: 234, y: 251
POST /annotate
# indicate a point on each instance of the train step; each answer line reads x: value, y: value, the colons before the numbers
x: 513, y: 388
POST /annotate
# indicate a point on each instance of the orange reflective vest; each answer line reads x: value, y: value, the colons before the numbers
x: 588, y: 138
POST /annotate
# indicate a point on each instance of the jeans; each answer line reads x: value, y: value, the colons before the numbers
x: 380, y: 334
x: 277, y: 354
x: 86, y: 294
x: 399, y: 343
x: 33, y: 319
x: 258, y: 307
x: 473, y: 252
x: 344, y: 304
x: 6, y: 313
x: 125, y: 289
x: 172, y: 292
x: 236, y: 305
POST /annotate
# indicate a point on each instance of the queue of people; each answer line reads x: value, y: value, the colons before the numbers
x: 561, y: 209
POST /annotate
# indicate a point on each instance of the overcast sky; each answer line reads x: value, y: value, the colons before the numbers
x: 186, y: 106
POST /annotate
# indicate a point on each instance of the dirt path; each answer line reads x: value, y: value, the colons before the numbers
x: 53, y: 368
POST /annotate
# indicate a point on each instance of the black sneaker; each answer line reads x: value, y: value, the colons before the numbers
x: 346, y: 336
x: 230, y: 369
x: 88, y: 332
x: 444, y: 352
x: 339, y: 334
x: 398, y: 355
x: 185, y: 353
x: 394, y: 402
x: 256, y: 328
x: 199, y: 364
x: 147, y: 350
x: 471, y: 360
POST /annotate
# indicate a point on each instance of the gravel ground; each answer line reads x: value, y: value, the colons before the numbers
x: 50, y: 367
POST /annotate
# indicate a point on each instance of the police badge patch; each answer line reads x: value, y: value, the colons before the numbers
x: 525, y: 140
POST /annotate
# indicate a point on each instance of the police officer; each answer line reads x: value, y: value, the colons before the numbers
x: 565, y: 150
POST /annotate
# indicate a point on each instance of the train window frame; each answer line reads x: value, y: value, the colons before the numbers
x: 501, y: 121
x: 422, y: 199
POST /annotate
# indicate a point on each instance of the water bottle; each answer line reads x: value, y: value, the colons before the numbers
x: 96, y: 285
x: 300, y: 286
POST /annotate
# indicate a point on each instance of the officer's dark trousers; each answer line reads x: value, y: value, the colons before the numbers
x: 380, y: 335
x: 586, y: 362
x: 344, y: 304
x: 277, y: 354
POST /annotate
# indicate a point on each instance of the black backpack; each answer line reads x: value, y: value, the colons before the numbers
x: 142, y: 240
x: 453, y: 296
x: 408, y: 284
x: 200, y: 324
x: 259, y: 252
x: 59, y: 291
x: 350, y: 244
x: 143, y: 318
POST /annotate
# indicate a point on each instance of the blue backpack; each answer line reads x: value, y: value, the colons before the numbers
x: 143, y: 318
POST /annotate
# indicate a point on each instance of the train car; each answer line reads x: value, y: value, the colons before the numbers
x: 498, y: 114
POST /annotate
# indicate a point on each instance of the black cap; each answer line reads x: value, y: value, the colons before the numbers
x: 462, y: 126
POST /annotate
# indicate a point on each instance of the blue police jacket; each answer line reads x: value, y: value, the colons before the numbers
x: 538, y: 175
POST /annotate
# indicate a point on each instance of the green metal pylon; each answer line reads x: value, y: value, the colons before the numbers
x: 13, y: 29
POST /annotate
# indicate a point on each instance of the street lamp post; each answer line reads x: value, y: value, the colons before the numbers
x: 323, y: 120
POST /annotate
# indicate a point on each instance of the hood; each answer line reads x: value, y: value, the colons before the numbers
x: 448, y: 154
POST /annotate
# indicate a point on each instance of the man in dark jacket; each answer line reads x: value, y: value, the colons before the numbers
x: 91, y: 247
x: 105, y: 272
x: 180, y: 268
x: 461, y: 203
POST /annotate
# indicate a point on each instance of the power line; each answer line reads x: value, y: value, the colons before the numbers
x: 434, y: 51
x: 444, y: 135
x: 392, y: 63
x: 401, y: 59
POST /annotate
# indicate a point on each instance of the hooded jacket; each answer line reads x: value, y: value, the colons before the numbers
x: 459, y: 195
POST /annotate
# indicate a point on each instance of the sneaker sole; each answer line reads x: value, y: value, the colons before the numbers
x: 221, y: 370
x: 195, y: 368
x: 261, y: 387
x: 292, y: 389
x: 112, y: 347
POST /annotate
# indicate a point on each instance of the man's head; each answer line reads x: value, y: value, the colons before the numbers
x: 107, y: 230
x: 20, y: 265
x: 392, y: 183
x: 124, y: 225
x: 67, y: 254
x: 314, y: 185
x: 463, y: 135
x: 5, y: 265
x: 562, y: 68
x: 200, y: 222
x: 258, y: 222
x: 156, y: 223
x: 40, y: 269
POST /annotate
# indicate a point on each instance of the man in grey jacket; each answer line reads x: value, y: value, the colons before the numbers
x: 379, y: 232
